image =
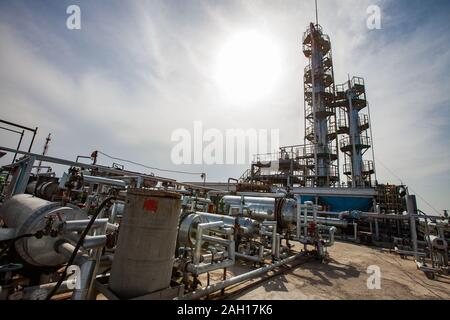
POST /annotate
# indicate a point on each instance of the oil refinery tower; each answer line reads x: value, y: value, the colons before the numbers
x: 337, y: 127
x: 321, y: 154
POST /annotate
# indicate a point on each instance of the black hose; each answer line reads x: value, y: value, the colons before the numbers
x: 78, y: 245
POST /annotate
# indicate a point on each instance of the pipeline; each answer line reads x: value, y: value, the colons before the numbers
x: 197, y: 294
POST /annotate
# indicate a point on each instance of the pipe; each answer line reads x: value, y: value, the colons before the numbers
x: 80, y: 225
x: 305, y: 222
x: 104, y: 181
x: 377, y: 233
x: 86, y: 275
x: 247, y: 257
x: 277, y: 250
x: 331, y: 231
x: 28, y: 291
x: 87, y: 267
x: 410, y: 200
x: 261, y: 253
x: 216, y: 240
x: 226, y: 283
x: 201, y: 227
x: 298, y: 229
x: 90, y: 242
x: 273, y: 224
x: 195, y: 267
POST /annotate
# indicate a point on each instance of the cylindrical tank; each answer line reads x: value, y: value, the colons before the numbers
x: 262, y: 208
x: 27, y: 215
x: 188, y: 227
x: 45, y: 190
x: 145, y: 250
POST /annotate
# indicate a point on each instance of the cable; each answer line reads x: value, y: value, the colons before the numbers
x: 78, y: 245
x: 148, y: 167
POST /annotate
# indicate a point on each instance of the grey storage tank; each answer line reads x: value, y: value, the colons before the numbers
x: 26, y: 214
x: 145, y: 250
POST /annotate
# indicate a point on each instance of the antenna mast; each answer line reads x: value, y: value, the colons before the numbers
x: 44, y: 152
x: 317, y: 14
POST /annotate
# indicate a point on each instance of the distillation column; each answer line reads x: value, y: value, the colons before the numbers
x: 320, y: 155
x: 354, y: 125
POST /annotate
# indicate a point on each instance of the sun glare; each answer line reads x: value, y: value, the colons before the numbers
x: 248, y: 67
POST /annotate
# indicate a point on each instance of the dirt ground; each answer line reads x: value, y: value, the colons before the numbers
x: 345, y: 278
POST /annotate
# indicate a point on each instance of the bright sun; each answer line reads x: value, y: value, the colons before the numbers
x: 248, y: 67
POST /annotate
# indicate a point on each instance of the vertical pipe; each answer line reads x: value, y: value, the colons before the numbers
x: 371, y: 138
x: 317, y: 15
x: 277, y: 249
x: 411, y: 208
x: 299, y: 223
x: 18, y: 146
x: 32, y: 139
x: 224, y: 278
x: 305, y: 222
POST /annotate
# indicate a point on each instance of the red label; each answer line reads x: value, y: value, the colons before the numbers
x: 150, y: 205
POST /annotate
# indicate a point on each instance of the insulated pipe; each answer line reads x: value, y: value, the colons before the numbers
x: 298, y: 229
x: 305, y: 222
x: 247, y: 225
x: 80, y: 225
x: 331, y: 231
x: 87, y: 267
x: 377, y: 233
x: 104, y: 181
x: 198, y: 269
x: 273, y: 235
x: 410, y: 205
x: 90, y: 242
x: 201, y: 227
x: 247, y: 257
x: 226, y: 283
x: 277, y: 251
x: 28, y: 291
x: 261, y: 252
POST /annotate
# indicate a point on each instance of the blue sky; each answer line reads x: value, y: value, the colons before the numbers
x: 138, y: 70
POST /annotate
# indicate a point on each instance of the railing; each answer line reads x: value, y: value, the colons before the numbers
x: 342, y: 119
x: 318, y: 29
x: 331, y: 171
x: 342, y: 87
x: 367, y: 166
x: 309, y: 130
x: 332, y: 126
x: 357, y: 81
x: 330, y: 149
x: 305, y: 151
x: 363, y: 120
x: 363, y: 141
x: 266, y: 157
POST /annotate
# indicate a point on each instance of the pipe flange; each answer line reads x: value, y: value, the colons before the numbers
x: 188, y: 230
